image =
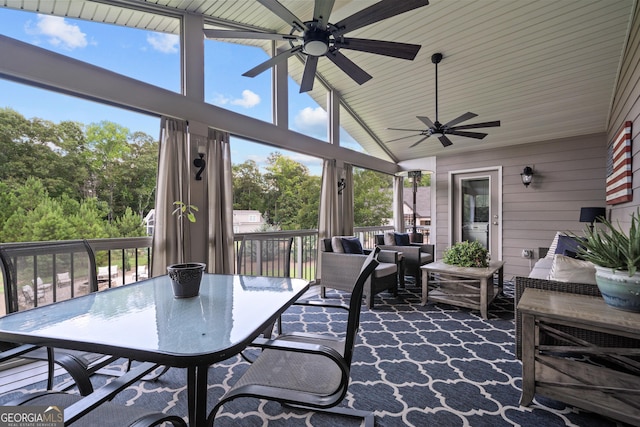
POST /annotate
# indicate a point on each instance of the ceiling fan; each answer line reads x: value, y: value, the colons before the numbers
x: 318, y: 37
x: 449, y: 128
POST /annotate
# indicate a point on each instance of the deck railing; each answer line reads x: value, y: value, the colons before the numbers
x: 126, y: 260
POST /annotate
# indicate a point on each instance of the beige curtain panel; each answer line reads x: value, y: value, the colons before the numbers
x: 398, y: 204
x: 172, y: 184
x: 220, y: 204
x: 346, y: 216
x: 328, y: 215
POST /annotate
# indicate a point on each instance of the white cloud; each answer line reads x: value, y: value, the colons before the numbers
x: 249, y: 99
x: 165, y: 43
x: 312, y: 121
x: 59, y: 32
x: 220, y: 99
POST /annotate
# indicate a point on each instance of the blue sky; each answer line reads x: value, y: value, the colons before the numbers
x: 154, y: 58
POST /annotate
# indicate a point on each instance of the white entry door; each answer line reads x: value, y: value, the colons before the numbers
x: 476, y: 208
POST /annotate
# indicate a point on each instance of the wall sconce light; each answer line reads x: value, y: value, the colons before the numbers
x: 592, y: 215
x: 527, y: 176
x: 341, y: 185
x: 200, y: 163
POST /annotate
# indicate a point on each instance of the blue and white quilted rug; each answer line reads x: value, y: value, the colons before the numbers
x: 436, y: 365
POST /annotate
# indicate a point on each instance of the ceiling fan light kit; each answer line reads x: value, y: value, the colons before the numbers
x: 449, y: 128
x: 320, y: 38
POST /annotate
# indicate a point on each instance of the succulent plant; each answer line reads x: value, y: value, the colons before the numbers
x: 611, y: 247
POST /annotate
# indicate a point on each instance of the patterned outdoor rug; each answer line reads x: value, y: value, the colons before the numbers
x: 436, y: 365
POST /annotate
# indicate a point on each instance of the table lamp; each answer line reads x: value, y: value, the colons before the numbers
x: 592, y: 215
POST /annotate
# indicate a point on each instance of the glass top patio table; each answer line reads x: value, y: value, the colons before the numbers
x: 143, y: 321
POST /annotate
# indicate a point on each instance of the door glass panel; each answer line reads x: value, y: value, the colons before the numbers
x: 475, y: 210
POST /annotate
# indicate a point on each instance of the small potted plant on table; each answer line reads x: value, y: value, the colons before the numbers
x: 185, y: 276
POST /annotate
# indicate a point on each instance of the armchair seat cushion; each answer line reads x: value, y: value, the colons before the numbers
x: 425, y: 258
x: 385, y: 269
x: 338, y: 270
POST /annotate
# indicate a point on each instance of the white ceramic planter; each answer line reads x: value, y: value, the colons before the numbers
x: 618, y: 289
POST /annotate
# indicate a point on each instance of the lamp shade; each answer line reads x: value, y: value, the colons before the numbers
x: 591, y: 214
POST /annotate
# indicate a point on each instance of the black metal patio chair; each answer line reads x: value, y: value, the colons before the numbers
x: 306, y: 370
x: 97, y: 409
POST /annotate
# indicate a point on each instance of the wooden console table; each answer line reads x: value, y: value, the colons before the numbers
x: 612, y: 388
x: 462, y: 286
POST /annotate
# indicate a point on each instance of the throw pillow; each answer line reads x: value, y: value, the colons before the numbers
x: 402, y: 239
x: 567, y: 269
x: 352, y: 245
x: 568, y: 246
x: 389, y: 238
x: 336, y: 244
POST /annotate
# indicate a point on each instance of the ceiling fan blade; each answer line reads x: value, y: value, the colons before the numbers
x: 359, y: 75
x: 404, y: 137
x: 377, y: 12
x: 273, y: 61
x: 409, y: 130
x: 309, y: 74
x: 426, y: 121
x: 445, y: 141
x: 462, y: 118
x: 380, y: 47
x: 321, y: 12
x: 478, y: 125
x: 476, y: 135
x: 232, y: 34
x: 284, y: 14
x: 416, y: 143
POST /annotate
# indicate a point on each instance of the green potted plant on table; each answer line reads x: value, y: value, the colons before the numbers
x: 467, y: 254
x: 185, y: 276
x: 616, y: 256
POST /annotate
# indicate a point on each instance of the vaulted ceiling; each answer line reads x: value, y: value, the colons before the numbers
x: 546, y: 69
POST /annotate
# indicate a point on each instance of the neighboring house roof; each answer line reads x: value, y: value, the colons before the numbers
x: 423, y: 201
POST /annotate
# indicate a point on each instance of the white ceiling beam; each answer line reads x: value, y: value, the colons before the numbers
x: 43, y: 68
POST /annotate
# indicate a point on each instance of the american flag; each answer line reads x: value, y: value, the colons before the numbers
x: 619, y: 174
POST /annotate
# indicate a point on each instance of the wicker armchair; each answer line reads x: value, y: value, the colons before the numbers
x: 340, y: 271
x: 415, y: 255
x: 594, y: 337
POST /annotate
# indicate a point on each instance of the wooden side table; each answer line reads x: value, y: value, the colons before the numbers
x: 557, y: 371
x: 462, y: 286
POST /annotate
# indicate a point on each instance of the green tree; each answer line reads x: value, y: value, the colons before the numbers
x: 249, y: 187
x: 309, y: 202
x: 108, y: 142
x: 130, y: 225
x: 372, y: 198
x: 88, y: 221
x: 286, y: 181
x: 139, y: 166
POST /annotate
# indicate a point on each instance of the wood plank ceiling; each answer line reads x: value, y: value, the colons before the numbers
x: 546, y: 68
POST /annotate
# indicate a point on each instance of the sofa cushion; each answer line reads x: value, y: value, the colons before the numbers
x: 401, y: 239
x: 541, y: 269
x: 567, y: 269
x: 351, y: 245
x: 568, y: 246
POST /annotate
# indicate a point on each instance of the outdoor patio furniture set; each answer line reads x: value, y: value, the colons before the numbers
x: 342, y: 257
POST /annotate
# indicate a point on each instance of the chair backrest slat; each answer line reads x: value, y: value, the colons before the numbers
x: 355, y: 304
